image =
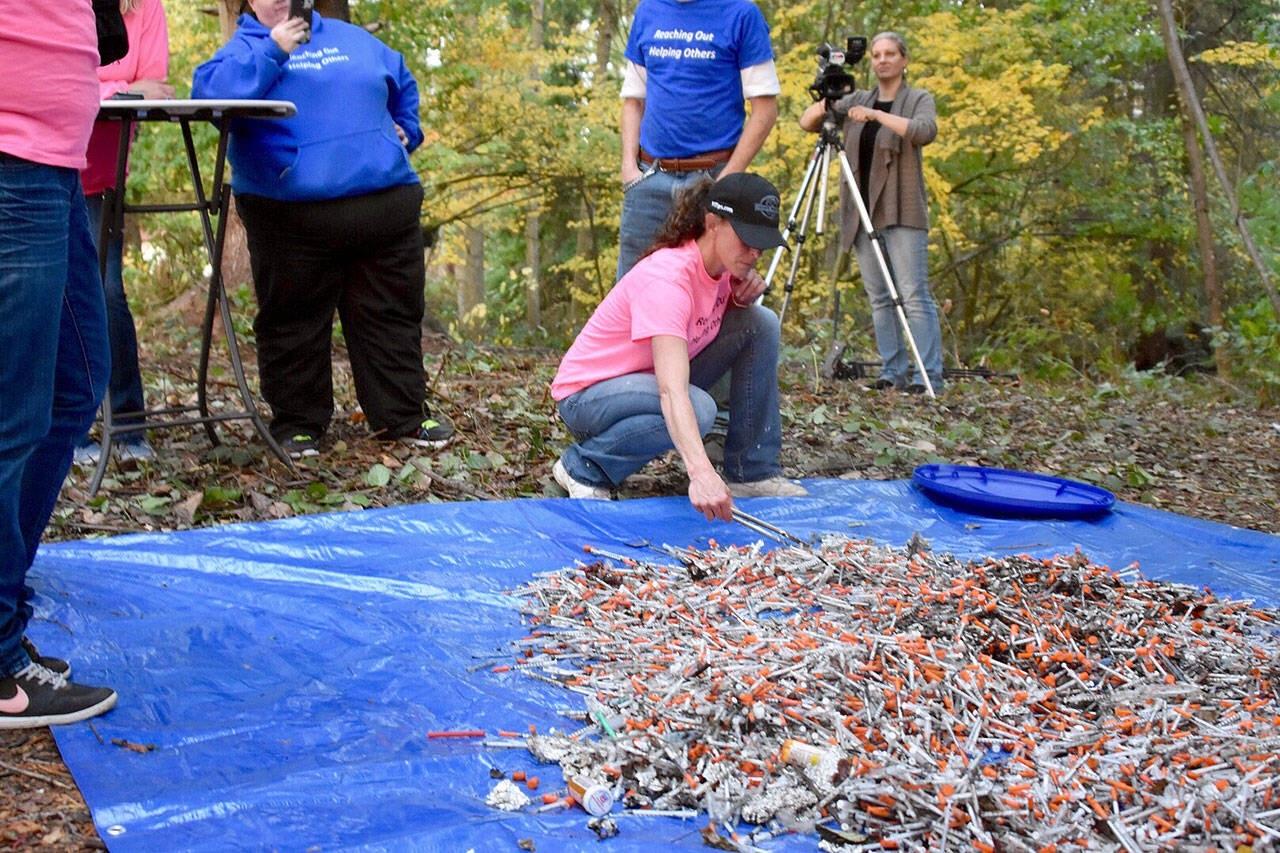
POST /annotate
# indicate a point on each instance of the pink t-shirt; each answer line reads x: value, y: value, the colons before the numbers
x: 147, y: 59
x: 667, y: 293
x: 48, y: 80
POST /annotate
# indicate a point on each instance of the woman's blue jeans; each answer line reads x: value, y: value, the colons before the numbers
x: 125, y: 386
x: 54, y: 362
x: 909, y: 259
x: 619, y: 426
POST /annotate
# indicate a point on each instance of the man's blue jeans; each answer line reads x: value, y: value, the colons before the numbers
x: 909, y: 258
x: 54, y: 362
x: 645, y: 207
x: 125, y: 386
x: 619, y: 425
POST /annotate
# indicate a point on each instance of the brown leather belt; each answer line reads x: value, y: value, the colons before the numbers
x: 696, y: 163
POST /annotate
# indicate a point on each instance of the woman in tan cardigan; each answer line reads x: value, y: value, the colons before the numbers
x: 884, y: 132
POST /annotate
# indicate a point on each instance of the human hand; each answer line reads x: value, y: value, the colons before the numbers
x: 630, y: 173
x: 747, y: 289
x: 710, y: 496
x: 861, y: 113
x: 154, y: 90
x: 290, y: 33
x: 402, y: 136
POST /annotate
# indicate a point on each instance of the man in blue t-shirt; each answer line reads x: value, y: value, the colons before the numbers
x: 690, y: 65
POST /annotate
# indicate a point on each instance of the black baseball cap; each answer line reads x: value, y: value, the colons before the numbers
x: 750, y: 203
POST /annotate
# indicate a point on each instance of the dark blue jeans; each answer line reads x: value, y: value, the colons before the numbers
x: 125, y: 386
x: 619, y: 426
x: 54, y: 361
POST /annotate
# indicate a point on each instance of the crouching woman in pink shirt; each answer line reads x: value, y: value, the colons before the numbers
x: 634, y: 383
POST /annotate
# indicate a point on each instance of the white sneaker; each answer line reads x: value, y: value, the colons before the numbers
x: 130, y: 452
x: 577, y: 490
x: 87, y: 456
x: 773, y: 487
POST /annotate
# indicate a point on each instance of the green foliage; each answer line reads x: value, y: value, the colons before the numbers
x: 1062, y: 225
x: 1252, y: 341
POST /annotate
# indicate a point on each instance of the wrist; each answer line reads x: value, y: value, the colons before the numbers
x: 699, y: 470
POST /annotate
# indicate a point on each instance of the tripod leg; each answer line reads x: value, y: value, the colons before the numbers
x: 808, y: 193
x: 791, y: 218
x: 882, y: 260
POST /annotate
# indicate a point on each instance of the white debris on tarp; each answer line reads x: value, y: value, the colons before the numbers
x: 775, y: 800
x: 549, y: 749
x: 506, y: 796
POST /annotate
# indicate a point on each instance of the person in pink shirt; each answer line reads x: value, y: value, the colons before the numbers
x: 634, y: 383
x: 54, y: 357
x: 142, y: 71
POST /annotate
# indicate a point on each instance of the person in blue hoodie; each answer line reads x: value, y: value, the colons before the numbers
x: 330, y: 206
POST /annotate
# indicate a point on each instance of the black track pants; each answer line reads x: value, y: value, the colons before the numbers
x: 360, y: 256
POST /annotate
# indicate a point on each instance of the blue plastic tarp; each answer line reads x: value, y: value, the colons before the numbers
x: 287, y: 672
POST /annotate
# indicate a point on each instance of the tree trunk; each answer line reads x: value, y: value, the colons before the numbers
x: 533, y: 222
x: 228, y: 13
x: 1204, y: 236
x: 1169, y: 29
x: 533, y: 260
x: 585, y: 243
x: 471, y: 285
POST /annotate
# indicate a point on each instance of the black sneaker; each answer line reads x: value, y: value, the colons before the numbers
x: 916, y: 388
x: 37, y: 697
x: 434, y: 433
x: 58, y: 665
x: 880, y: 384
x: 301, y: 446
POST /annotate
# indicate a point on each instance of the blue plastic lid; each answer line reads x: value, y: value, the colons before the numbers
x: 997, y: 491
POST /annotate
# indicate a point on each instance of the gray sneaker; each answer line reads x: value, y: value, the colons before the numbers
x: 773, y: 487
x: 87, y: 456
x: 576, y: 489
x: 135, y: 451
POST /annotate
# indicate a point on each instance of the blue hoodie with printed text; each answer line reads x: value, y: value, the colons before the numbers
x: 351, y: 91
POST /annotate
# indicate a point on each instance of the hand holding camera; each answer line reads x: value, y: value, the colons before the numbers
x: 302, y: 9
x: 290, y: 33
x: 295, y: 29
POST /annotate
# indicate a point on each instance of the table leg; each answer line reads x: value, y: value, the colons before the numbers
x: 218, y: 294
x: 111, y: 224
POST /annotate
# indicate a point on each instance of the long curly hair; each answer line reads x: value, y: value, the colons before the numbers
x: 687, y: 220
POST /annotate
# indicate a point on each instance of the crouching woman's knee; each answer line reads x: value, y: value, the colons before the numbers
x: 764, y: 325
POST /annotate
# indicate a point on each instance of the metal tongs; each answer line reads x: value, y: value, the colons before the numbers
x: 764, y: 528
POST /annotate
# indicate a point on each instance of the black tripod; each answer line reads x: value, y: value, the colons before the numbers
x: 814, y: 186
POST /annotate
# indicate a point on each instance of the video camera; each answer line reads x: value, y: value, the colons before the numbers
x: 834, y: 80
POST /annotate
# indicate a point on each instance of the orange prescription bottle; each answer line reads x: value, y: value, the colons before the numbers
x: 596, y: 800
x: 803, y: 754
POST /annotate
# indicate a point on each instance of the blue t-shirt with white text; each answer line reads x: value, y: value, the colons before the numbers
x: 693, y: 53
